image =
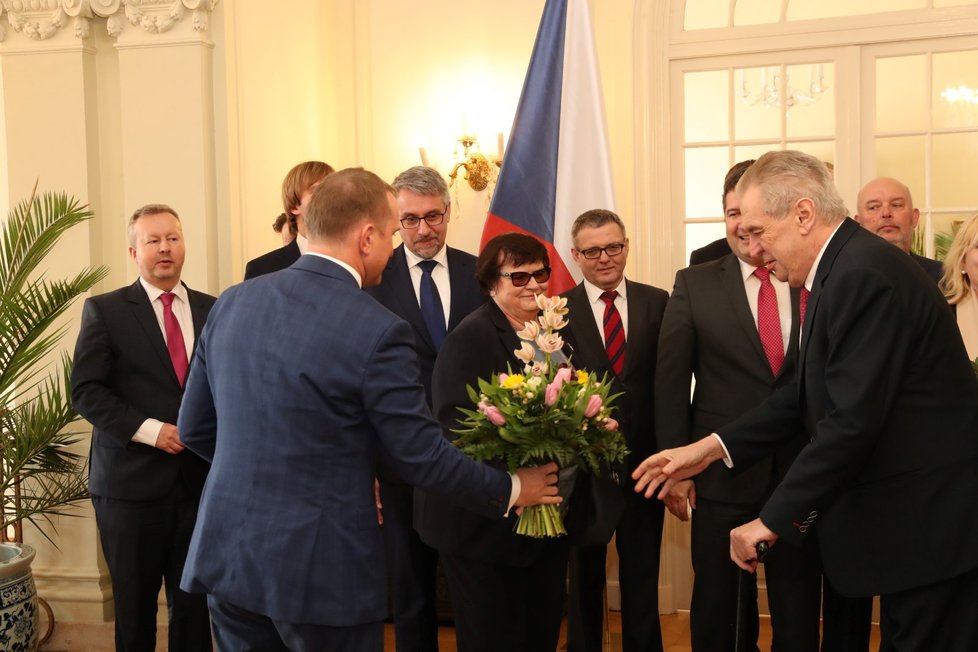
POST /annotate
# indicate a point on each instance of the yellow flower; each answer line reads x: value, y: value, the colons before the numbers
x: 582, y: 377
x: 513, y: 381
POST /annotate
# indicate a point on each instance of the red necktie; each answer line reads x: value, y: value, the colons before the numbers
x: 614, y: 333
x: 174, y: 338
x: 802, y: 305
x: 769, y: 321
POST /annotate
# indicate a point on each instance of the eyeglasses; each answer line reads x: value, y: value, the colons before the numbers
x: 611, y: 250
x: 519, y: 279
x: 433, y: 218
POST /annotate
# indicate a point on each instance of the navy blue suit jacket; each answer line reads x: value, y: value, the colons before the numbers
x: 885, y: 391
x: 122, y: 375
x: 287, y: 525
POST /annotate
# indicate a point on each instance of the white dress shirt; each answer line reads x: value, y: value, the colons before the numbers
x: 598, y: 306
x: 439, y: 274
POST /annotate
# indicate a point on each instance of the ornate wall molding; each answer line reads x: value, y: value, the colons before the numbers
x: 39, y: 20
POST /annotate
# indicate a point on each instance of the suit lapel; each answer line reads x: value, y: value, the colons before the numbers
x: 734, y: 290
x: 144, y: 315
x: 457, y: 283
x: 839, y: 240
x: 402, y: 290
x: 635, y: 340
x: 586, y: 332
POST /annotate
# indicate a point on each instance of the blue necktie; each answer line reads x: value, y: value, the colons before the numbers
x: 431, y: 307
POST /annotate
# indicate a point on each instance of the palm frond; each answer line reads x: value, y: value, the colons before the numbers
x: 41, y: 475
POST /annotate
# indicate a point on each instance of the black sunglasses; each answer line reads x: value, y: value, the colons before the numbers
x: 519, y: 279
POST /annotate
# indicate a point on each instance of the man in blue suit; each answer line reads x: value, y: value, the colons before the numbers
x: 422, y: 265
x: 287, y: 544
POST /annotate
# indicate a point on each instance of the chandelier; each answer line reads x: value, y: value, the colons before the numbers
x: 772, y: 79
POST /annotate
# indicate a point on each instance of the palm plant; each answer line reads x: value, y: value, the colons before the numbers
x: 40, y: 474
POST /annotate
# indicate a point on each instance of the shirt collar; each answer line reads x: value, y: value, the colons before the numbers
x: 413, y: 259
x: 811, y: 273
x: 154, y: 292
x: 746, y: 269
x: 347, y: 267
x: 594, y: 292
x: 302, y: 242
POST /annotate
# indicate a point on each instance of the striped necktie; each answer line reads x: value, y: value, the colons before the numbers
x: 614, y: 332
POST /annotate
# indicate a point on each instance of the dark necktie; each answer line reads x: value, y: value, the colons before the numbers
x: 614, y: 333
x: 769, y: 321
x: 431, y: 306
x: 174, y: 338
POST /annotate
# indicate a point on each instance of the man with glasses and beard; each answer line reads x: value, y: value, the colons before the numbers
x: 432, y: 287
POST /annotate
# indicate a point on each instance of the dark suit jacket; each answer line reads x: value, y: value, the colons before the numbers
x: 885, y: 391
x: 122, y: 375
x: 713, y: 251
x: 273, y: 261
x: 934, y: 268
x: 635, y: 411
x: 709, y: 332
x: 479, y: 347
x: 287, y: 525
x: 396, y: 293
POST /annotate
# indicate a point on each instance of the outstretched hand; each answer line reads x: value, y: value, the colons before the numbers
x: 538, y: 486
x: 668, y: 467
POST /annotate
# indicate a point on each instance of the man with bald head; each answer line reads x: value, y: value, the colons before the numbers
x: 887, y: 397
x: 886, y: 208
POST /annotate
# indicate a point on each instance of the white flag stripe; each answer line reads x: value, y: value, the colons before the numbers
x: 584, y: 178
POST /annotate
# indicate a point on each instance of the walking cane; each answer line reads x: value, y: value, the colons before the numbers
x: 762, y: 549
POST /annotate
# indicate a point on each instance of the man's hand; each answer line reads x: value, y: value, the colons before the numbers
x: 538, y: 486
x: 169, y: 439
x: 668, y: 467
x: 744, y: 540
x: 681, y: 498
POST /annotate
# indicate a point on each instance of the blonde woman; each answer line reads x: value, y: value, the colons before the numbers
x: 960, y: 282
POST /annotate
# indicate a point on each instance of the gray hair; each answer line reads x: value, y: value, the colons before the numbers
x: 785, y: 177
x: 143, y: 211
x: 425, y: 181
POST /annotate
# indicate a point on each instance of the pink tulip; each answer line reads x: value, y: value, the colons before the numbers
x: 593, y: 406
x: 502, y: 378
x: 495, y: 417
x: 610, y: 424
x: 562, y: 376
x: 553, y: 390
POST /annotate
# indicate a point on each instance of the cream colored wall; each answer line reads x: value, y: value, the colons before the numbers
x: 367, y: 83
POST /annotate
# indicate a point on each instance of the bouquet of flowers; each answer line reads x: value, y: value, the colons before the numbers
x: 546, y: 413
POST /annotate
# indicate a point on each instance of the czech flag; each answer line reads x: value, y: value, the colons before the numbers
x: 556, y: 164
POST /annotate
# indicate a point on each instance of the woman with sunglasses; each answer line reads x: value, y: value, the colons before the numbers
x: 507, y: 589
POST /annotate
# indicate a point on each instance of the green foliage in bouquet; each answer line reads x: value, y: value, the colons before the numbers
x: 547, y: 413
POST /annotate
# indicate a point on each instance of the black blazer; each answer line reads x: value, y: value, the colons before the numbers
x: 709, y: 332
x: 713, y: 251
x: 480, y: 346
x: 886, y: 392
x: 273, y: 261
x: 396, y: 293
x: 934, y: 268
x: 635, y: 411
x: 122, y: 375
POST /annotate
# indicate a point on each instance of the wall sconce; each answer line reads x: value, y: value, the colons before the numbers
x: 479, y: 170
